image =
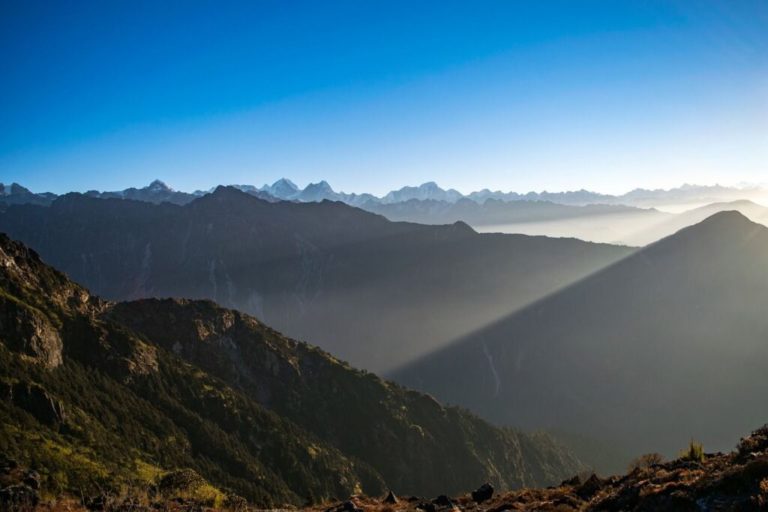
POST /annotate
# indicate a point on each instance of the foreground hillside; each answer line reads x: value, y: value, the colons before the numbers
x: 373, y: 292
x: 99, y: 396
x: 667, y: 343
x: 694, y: 482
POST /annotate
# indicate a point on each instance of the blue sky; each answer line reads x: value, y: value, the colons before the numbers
x: 370, y: 96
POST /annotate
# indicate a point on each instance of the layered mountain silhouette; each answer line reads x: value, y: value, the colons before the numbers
x: 665, y: 226
x: 666, y: 344
x: 156, y: 192
x: 16, y: 194
x: 496, y: 212
x: 578, y: 214
x: 430, y: 191
x: 374, y: 292
x: 96, y: 395
x: 600, y: 223
x: 286, y: 190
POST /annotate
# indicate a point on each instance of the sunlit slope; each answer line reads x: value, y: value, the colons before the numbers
x: 655, y: 231
x: 634, y: 227
x: 373, y: 292
x: 667, y: 344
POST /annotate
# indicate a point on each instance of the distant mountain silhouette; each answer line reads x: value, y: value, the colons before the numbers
x: 282, y: 189
x: 665, y: 345
x: 286, y: 190
x: 495, y: 211
x: 374, y: 292
x: 596, y: 223
x: 16, y: 194
x: 578, y: 214
x: 673, y: 223
x: 426, y: 191
x: 155, y: 192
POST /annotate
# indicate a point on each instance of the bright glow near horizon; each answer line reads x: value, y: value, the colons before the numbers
x: 519, y: 96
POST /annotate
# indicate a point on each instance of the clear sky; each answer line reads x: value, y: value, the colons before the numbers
x: 513, y: 95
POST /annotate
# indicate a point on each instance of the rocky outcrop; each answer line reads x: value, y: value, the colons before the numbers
x: 34, y: 399
x: 318, y: 392
x: 734, y: 482
x: 390, y: 498
x: 19, y: 487
x: 28, y: 331
x: 483, y: 493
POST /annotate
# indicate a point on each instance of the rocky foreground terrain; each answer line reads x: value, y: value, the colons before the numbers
x: 737, y: 481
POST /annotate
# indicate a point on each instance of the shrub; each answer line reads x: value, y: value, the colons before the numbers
x: 694, y: 452
x: 646, y: 461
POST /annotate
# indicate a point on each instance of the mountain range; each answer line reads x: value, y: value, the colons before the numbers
x: 97, y: 395
x: 285, y: 190
x: 607, y: 224
x: 629, y: 219
x: 431, y: 191
x: 499, y: 324
x: 666, y: 344
x: 356, y: 284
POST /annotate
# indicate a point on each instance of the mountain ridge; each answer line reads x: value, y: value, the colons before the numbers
x: 181, y: 383
x: 322, y: 271
x: 284, y: 189
x: 702, y: 286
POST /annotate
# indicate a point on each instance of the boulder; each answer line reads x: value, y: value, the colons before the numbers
x: 18, y: 497
x: 348, y: 506
x: 443, y: 501
x: 182, y: 480
x: 390, y: 499
x: 483, y: 493
x: 589, y: 488
x: 571, y: 482
x: 426, y: 506
x: 32, y: 480
x: 235, y: 503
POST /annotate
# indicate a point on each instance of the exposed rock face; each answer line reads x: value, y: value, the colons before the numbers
x: 40, y: 306
x: 318, y: 392
x: 30, y: 332
x: 38, y: 402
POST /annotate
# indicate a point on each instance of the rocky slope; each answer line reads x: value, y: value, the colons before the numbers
x: 359, y: 286
x: 694, y: 482
x: 96, y: 395
x: 732, y: 482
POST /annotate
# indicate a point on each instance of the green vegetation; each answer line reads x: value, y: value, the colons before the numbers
x: 694, y: 452
x: 143, y: 394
